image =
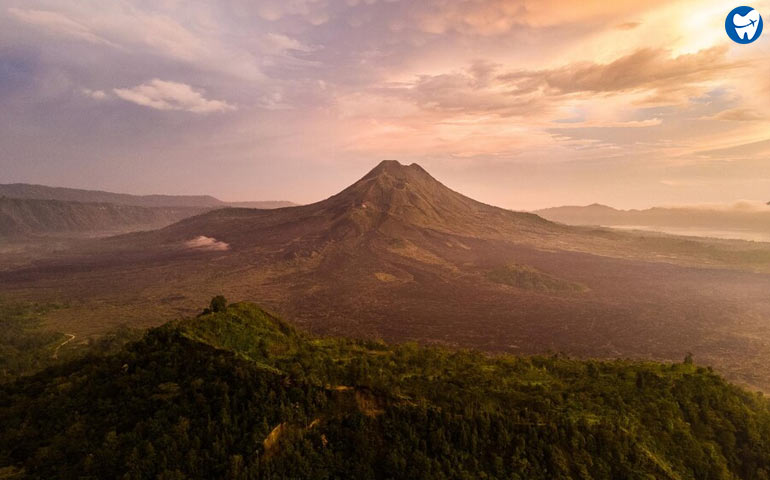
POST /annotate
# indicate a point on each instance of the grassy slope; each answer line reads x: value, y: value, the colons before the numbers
x: 241, y: 394
x: 24, y: 346
x: 27, y: 346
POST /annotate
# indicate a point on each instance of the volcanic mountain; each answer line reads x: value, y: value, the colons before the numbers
x: 389, y: 202
x: 400, y: 256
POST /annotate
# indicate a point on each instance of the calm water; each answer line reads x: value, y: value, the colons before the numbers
x: 696, y: 232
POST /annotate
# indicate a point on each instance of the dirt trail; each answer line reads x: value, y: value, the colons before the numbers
x: 56, y: 352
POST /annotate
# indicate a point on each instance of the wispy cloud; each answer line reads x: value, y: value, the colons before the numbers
x: 144, y: 32
x: 498, y: 17
x: 95, y: 94
x: 643, y: 69
x: 738, y: 115
x: 58, y: 24
x: 165, y: 95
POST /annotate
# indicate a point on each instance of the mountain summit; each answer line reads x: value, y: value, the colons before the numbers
x: 392, y: 191
x: 397, y: 169
x: 394, y: 187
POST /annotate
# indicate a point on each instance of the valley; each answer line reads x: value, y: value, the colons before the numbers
x: 401, y: 257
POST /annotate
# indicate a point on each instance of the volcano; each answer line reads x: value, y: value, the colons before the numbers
x: 389, y: 202
x: 400, y: 256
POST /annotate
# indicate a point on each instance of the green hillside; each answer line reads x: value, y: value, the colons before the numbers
x: 238, y: 393
x: 27, y: 346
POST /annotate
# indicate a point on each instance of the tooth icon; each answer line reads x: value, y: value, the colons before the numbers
x: 746, y: 25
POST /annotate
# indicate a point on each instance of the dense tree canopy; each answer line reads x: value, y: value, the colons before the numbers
x: 239, y: 394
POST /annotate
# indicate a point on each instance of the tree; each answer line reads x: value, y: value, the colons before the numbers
x: 218, y: 304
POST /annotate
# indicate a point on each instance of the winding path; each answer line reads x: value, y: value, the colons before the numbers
x: 56, y: 352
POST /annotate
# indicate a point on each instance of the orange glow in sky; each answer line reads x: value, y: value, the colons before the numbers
x: 523, y: 104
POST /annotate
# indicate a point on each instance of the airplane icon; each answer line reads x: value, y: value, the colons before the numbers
x: 750, y: 24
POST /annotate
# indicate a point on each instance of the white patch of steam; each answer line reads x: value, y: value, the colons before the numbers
x: 206, y: 243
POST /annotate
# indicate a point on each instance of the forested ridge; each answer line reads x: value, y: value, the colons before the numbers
x: 237, y: 393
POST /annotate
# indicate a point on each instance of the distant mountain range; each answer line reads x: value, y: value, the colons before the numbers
x: 28, y: 211
x: 737, y: 218
x: 25, y: 218
x: 42, y: 192
x: 400, y: 256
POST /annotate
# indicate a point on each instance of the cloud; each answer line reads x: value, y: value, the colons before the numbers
x: 627, y: 25
x: 207, y: 243
x: 165, y: 95
x: 688, y: 183
x: 58, y: 23
x: 471, y: 91
x: 312, y: 11
x: 650, y: 122
x: 279, y: 43
x: 498, y: 17
x: 145, y: 32
x: 759, y: 149
x: 95, y: 94
x: 646, y: 69
x: 738, y: 115
x: 463, y: 93
x: 483, y: 18
x: 639, y: 77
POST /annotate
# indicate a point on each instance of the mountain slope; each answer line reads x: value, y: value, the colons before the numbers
x: 387, y: 201
x: 42, y: 192
x: 264, y: 204
x: 740, y: 219
x: 397, y: 255
x: 240, y: 394
x: 22, y: 218
x: 594, y: 214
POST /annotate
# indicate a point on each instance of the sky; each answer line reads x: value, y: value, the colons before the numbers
x: 518, y: 103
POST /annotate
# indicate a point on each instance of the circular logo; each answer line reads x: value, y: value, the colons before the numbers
x: 743, y: 25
